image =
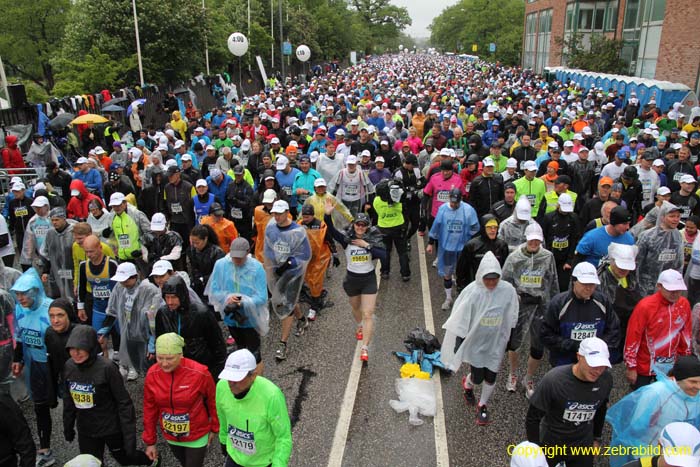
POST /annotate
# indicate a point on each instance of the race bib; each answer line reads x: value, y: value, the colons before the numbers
x: 359, y: 256
x: 32, y: 338
x: 688, y: 249
x: 351, y: 190
x: 281, y: 248
x: 454, y: 226
x: 58, y: 190
x: 577, y: 412
x: 667, y: 256
x: 124, y: 241
x: 41, y: 230
x: 531, y: 280
x: 532, y: 199
x: 101, y: 292
x: 65, y: 274
x: 287, y: 190
x: 236, y: 213
x: 677, y: 176
x: 176, y: 425
x: 583, y: 331
x: 243, y: 441
x: 443, y: 196
x: 21, y: 211
x: 176, y: 208
x: 491, y: 321
x: 560, y: 243
x: 83, y: 395
x: 646, y: 186
x: 685, y: 212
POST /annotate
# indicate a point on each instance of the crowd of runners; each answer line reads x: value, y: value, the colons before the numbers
x: 556, y: 216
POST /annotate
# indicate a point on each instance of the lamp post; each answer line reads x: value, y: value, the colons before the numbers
x: 206, y: 45
x: 138, y: 42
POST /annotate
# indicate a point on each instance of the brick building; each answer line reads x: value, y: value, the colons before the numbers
x: 661, y: 37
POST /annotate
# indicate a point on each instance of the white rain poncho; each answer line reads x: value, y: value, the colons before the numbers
x: 512, y: 230
x: 280, y: 246
x: 659, y: 250
x: 483, y: 319
x: 135, y: 309
x: 534, y: 274
x: 639, y: 417
x: 8, y: 276
x: 57, y: 249
x: 249, y: 281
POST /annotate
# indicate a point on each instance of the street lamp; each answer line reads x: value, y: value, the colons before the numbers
x: 138, y: 42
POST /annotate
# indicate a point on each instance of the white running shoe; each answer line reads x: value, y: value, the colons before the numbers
x: 311, y: 315
x: 529, y: 388
x: 124, y: 371
x: 132, y: 375
x: 512, y: 383
x: 435, y: 263
x: 447, y: 304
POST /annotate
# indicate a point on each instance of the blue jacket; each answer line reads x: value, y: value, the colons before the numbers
x: 92, y: 179
x: 219, y: 191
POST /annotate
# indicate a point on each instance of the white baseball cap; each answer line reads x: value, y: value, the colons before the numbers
x: 83, y: 160
x: 116, y: 199
x: 238, y: 365
x: 178, y: 144
x: 379, y: 159
x: 566, y: 204
x: 351, y: 159
x: 595, y: 350
x: 18, y: 186
x: 320, y: 182
x: 568, y: 144
x: 663, y: 191
x: 658, y: 163
x: 186, y: 157
x: 488, y: 162
x: 585, y: 272
x: 671, y: 280
x: 530, y: 166
x: 523, y: 209
x: 281, y: 163
x: 275, y: 140
x: 687, y: 178
x: 40, y: 202
x: 553, y: 145
x: 534, y: 232
x: 681, y: 444
x: 161, y: 267
x: 99, y: 150
x: 269, y: 196
x: 279, y: 206
x: 124, y: 271
x: 623, y: 255
x: 201, y: 182
x: 158, y: 222
x: 200, y: 129
x: 366, y: 153
x: 512, y: 163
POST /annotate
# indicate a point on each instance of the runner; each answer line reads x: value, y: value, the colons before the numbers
x: 362, y: 244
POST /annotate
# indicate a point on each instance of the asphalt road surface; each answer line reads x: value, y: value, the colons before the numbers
x: 340, y: 411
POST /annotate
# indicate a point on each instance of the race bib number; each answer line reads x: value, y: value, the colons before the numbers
x: 176, y: 208
x: 287, y: 190
x: 665, y: 360
x: 101, y: 292
x: 351, y: 190
x: 236, y: 213
x: 531, y: 280
x: 243, y: 441
x: 454, y: 226
x: 677, y: 176
x: 688, y: 249
x: 685, y: 210
x: 667, y: 256
x: 176, y: 425
x: 491, y: 321
x: 41, y: 230
x: 577, y: 412
x: 21, y: 211
x: 58, y: 190
x: 359, y: 256
x: 281, y: 248
x: 443, y: 196
x: 83, y: 395
x: 124, y: 241
x: 32, y: 338
x: 65, y: 274
x: 646, y: 186
x: 532, y: 199
x: 583, y: 331
x: 559, y: 243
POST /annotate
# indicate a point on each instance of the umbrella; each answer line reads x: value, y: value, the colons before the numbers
x: 115, y: 101
x: 131, y: 106
x: 89, y: 118
x: 113, y: 108
x: 61, y: 121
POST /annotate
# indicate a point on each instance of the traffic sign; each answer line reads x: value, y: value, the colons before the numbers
x: 286, y: 48
x: 492, y: 47
x: 475, y: 47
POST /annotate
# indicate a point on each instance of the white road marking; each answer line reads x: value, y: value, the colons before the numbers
x: 340, y: 438
x: 442, y: 457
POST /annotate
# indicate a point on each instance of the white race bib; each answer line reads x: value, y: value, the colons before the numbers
x: 124, y: 241
x: 236, y: 213
x: 176, y: 208
x: 243, y: 441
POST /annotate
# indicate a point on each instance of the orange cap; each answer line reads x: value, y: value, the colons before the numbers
x: 605, y: 181
x: 553, y: 164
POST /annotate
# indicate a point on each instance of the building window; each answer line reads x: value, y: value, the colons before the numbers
x: 529, y: 51
x: 642, y: 35
x: 543, y: 39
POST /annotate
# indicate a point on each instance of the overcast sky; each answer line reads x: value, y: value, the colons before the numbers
x: 422, y: 13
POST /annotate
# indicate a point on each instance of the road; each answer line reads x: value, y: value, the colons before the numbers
x: 315, y: 379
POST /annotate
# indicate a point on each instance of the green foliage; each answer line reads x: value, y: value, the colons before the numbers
x: 382, y: 22
x: 31, y: 36
x: 35, y: 92
x: 603, y: 55
x: 481, y: 22
x: 95, y: 71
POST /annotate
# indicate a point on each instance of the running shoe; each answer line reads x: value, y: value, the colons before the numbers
x: 281, y: 352
x: 124, y: 371
x: 421, y: 234
x: 405, y: 278
x: 385, y: 275
x: 447, y: 304
x: 132, y: 375
x: 45, y: 459
x: 302, y: 324
x: 529, y: 388
x: 115, y: 356
x: 230, y: 340
x: 311, y: 316
x: 482, y: 415
x: 358, y: 334
x: 364, y: 354
x: 468, y: 392
x: 435, y: 263
x: 512, y: 383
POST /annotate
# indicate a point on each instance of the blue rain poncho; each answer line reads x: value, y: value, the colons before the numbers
x: 30, y: 329
x: 249, y: 281
x: 638, y: 419
x: 483, y: 319
x: 453, y: 228
x: 281, y: 245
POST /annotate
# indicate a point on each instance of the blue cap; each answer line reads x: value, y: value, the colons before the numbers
x: 695, y: 134
x: 623, y: 153
x: 140, y: 142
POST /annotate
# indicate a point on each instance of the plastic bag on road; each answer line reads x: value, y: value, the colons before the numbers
x: 417, y: 396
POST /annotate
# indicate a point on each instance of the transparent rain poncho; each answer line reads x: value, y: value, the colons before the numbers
x: 280, y: 246
x: 7, y: 308
x: 483, y: 319
x: 638, y: 418
x: 8, y: 276
x: 135, y: 309
x: 512, y: 230
x: 249, y: 281
x: 659, y: 250
x: 58, y: 250
x: 534, y: 274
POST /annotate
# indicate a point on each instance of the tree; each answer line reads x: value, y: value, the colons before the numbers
x: 31, y: 36
x: 383, y: 22
x: 481, y: 22
x: 602, y: 56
